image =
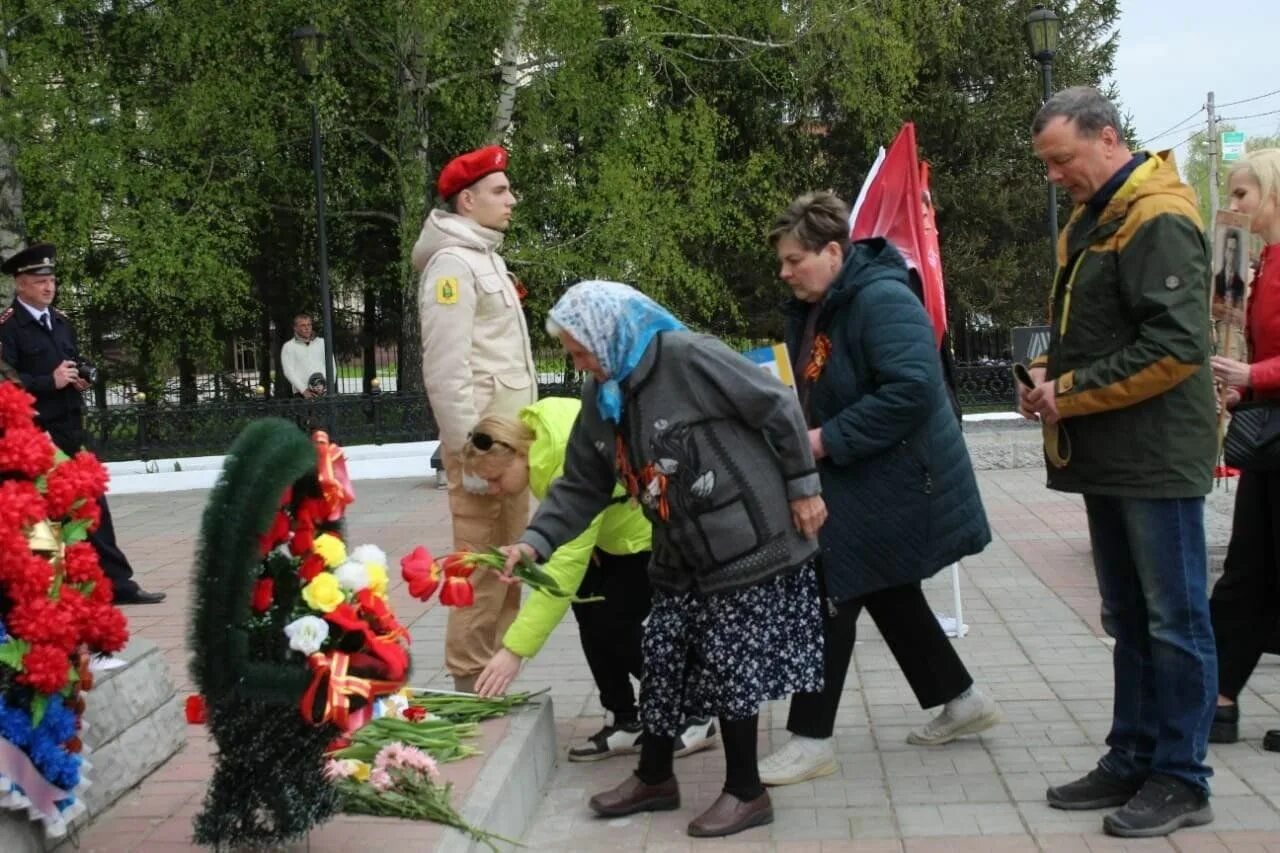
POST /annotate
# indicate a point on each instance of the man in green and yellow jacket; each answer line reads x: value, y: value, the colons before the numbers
x: 1126, y: 398
x: 610, y: 559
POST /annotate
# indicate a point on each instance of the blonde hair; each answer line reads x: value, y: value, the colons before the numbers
x: 508, y: 438
x: 1263, y: 168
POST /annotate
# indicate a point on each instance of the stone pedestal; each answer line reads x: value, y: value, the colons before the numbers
x: 133, y: 723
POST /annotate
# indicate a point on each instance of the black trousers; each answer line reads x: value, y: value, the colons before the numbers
x: 907, y: 623
x: 1245, y: 604
x: 611, y: 630
x: 70, y: 439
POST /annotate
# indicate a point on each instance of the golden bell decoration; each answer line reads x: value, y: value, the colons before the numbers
x: 45, y: 538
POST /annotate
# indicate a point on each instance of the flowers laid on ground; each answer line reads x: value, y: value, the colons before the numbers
x: 401, y: 781
x: 55, y: 611
x: 452, y: 576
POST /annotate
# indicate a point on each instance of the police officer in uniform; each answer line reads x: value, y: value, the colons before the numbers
x: 38, y: 342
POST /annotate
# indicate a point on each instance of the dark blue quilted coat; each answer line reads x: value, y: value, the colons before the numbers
x: 902, y: 498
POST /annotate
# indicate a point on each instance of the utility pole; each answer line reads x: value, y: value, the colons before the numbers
x: 1213, y: 160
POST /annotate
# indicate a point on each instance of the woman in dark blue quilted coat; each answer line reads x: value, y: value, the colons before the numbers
x: 902, y: 498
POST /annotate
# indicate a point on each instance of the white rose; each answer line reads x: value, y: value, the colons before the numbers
x: 369, y: 554
x: 352, y: 576
x: 307, y: 634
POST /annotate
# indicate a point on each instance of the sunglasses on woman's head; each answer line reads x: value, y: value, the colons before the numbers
x: 484, y: 442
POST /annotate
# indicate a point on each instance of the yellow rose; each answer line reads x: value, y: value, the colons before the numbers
x: 377, y: 578
x: 330, y: 549
x: 361, y: 771
x: 323, y: 593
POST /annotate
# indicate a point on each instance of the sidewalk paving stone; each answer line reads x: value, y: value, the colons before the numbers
x: 1034, y: 643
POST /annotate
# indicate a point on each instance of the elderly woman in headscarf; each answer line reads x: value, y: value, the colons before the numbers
x: 716, y: 451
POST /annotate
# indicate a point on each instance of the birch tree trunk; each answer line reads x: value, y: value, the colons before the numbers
x: 510, y: 65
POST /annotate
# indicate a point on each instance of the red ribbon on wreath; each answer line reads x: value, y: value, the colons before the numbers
x: 331, y: 676
x: 331, y: 466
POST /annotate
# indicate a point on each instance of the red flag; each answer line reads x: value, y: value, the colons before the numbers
x: 895, y: 204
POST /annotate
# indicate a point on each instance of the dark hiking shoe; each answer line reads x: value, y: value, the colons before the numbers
x: 1097, y: 789
x: 1163, y: 805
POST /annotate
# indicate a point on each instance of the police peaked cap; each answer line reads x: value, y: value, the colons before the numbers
x: 34, y: 260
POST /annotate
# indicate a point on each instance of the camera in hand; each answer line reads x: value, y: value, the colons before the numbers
x: 87, y: 371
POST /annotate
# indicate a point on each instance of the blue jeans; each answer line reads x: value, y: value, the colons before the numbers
x: 1149, y: 555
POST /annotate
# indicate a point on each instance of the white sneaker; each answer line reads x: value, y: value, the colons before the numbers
x: 699, y: 734
x: 969, y: 713
x: 611, y: 740
x: 799, y: 759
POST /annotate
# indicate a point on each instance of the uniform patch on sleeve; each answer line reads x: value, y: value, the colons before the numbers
x: 1172, y: 282
x: 446, y: 290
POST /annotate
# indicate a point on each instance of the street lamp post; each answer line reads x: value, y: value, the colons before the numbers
x: 307, y: 44
x: 1042, y: 39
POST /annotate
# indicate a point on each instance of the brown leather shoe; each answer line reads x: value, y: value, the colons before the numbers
x: 635, y: 796
x: 728, y: 815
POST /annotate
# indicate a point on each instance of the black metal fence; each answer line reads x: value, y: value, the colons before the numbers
x: 164, y: 430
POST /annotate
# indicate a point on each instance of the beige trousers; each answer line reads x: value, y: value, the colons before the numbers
x: 475, y: 633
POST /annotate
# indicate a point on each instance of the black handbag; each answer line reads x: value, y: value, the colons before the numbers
x: 1252, y: 442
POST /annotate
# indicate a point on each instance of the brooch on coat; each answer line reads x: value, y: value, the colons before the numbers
x: 818, y: 359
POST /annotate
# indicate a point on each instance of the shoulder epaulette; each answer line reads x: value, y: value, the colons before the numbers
x: 8, y: 312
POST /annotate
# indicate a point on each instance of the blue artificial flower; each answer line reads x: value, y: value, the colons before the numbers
x: 59, y: 722
x: 15, y: 724
x: 60, y: 767
x: 4, y: 635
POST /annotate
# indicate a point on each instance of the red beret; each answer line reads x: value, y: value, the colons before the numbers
x: 464, y: 170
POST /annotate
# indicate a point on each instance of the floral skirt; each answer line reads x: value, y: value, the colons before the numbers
x: 723, y: 654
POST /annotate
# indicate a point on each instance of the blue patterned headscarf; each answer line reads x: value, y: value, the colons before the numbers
x: 615, y: 323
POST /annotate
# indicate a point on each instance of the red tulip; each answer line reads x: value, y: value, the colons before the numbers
x: 457, y: 592
x: 263, y: 592
x: 422, y: 574
x: 458, y: 565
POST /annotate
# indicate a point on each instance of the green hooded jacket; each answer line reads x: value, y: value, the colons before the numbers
x: 1130, y: 343
x: 621, y: 529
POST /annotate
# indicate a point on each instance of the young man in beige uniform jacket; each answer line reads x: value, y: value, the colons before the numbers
x: 476, y: 361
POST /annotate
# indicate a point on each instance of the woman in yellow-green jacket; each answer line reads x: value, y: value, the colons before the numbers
x: 504, y: 457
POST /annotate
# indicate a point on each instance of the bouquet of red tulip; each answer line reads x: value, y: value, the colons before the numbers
x: 452, y: 576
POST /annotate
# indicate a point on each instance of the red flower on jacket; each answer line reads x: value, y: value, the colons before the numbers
x: 421, y: 572
x: 818, y: 359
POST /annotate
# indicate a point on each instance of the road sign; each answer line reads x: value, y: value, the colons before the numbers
x: 1232, y: 145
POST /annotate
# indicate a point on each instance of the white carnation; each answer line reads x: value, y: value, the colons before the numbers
x: 352, y: 576
x: 369, y: 554
x: 307, y: 634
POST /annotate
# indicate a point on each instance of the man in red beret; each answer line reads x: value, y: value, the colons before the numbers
x: 476, y: 361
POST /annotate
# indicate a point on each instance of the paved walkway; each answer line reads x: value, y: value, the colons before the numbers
x: 1034, y: 643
